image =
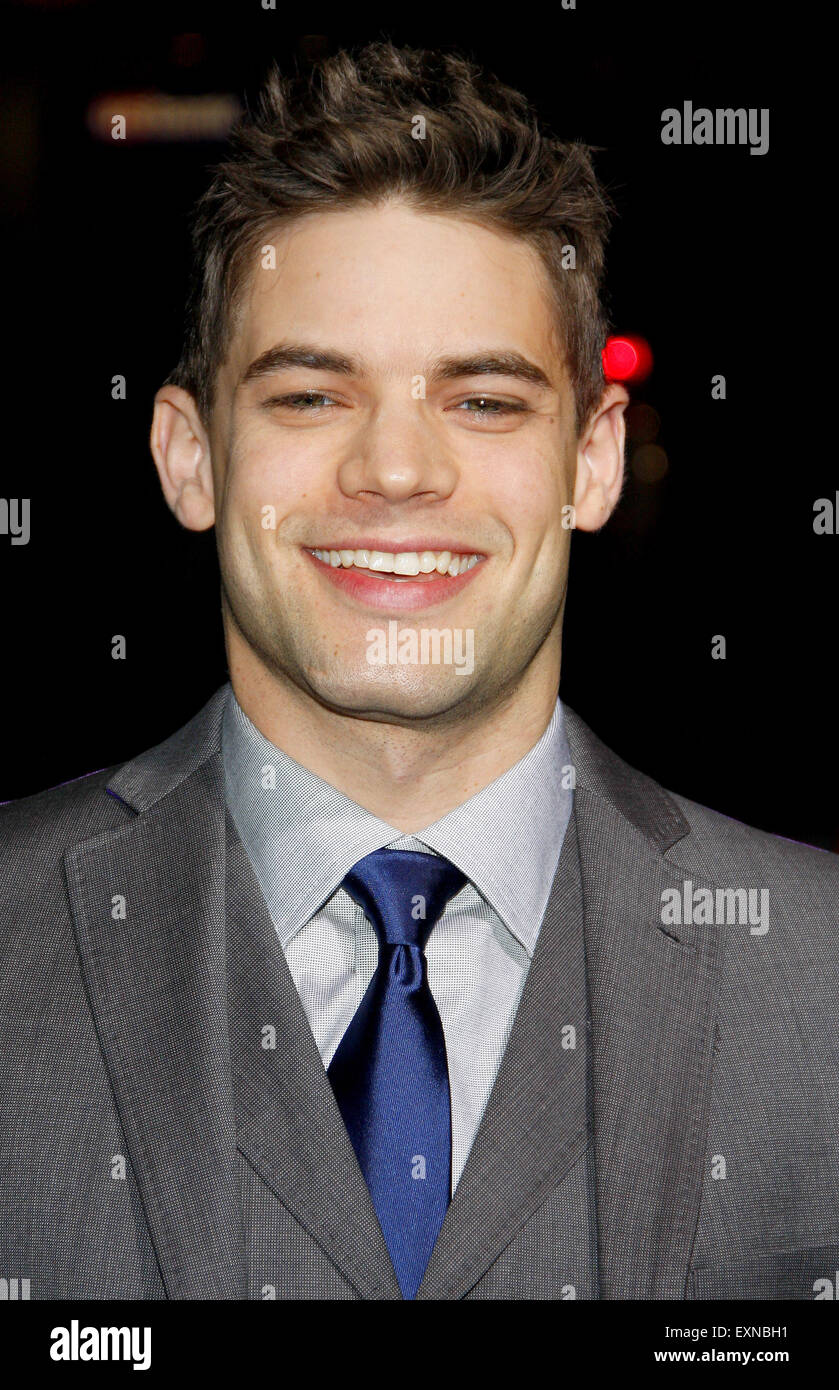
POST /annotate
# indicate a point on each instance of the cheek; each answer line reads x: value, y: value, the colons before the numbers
x: 543, y: 527
x: 531, y: 505
x: 267, y: 483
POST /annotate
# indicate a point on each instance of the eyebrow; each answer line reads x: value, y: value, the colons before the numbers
x: 284, y: 355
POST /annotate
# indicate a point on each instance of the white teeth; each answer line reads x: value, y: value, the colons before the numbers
x: 382, y: 561
x: 404, y: 562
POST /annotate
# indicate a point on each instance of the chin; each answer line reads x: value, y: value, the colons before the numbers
x: 393, y: 695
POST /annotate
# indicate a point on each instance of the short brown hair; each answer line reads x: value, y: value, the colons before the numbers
x: 342, y: 134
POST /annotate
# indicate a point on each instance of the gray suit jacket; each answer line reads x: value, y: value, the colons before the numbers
x: 136, y: 952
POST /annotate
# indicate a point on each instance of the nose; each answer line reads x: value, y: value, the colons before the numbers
x: 396, y: 456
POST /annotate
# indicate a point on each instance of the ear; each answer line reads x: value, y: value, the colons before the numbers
x: 181, y: 451
x: 600, y: 464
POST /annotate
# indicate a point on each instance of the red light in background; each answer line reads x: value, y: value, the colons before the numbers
x: 627, y: 358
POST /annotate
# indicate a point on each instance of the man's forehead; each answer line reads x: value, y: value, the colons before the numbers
x: 298, y: 292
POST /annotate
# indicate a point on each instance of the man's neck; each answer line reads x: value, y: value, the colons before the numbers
x: 409, y: 777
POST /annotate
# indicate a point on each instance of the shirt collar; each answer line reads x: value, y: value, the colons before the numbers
x: 300, y: 831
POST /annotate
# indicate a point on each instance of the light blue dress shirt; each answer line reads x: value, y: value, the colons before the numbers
x: 302, y: 836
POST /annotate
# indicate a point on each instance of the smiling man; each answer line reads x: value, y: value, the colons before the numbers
x: 393, y: 436
x: 384, y: 978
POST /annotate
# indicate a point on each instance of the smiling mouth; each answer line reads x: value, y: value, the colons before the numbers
x: 400, y: 565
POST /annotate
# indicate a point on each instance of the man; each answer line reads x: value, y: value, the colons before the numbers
x: 383, y: 978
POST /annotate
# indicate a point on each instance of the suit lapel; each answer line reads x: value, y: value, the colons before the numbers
x: 160, y: 994
x: 652, y: 1007
x: 157, y: 989
x: 653, y: 1002
x: 181, y: 1036
x: 290, y: 1127
x: 534, y: 1127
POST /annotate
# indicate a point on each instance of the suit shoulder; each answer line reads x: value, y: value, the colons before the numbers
x: 731, y: 847
x: 698, y: 836
x: 50, y: 820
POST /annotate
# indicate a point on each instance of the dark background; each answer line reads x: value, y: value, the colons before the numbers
x: 708, y: 261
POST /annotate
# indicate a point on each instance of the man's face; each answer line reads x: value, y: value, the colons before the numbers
x: 437, y: 420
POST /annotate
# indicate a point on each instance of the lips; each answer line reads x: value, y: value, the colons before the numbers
x: 377, y: 584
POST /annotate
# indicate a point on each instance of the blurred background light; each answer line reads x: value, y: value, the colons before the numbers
x: 627, y: 358
x: 160, y: 116
x: 649, y: 463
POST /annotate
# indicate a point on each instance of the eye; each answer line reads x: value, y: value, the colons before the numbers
x: 302, y: 401
x: 489, y: 406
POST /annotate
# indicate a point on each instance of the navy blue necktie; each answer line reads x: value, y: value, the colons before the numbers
x: 390, y: 1075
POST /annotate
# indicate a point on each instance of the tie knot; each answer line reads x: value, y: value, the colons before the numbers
x: 403, y: 893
